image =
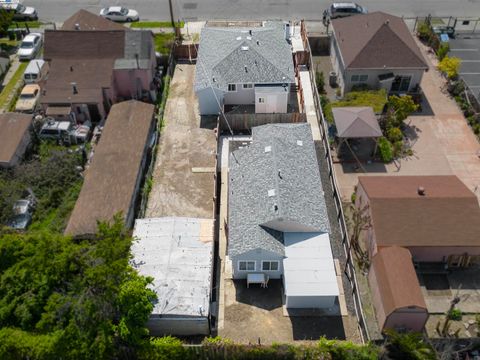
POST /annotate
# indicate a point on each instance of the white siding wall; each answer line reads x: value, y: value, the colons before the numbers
x: 241, y: 96
x: 258, y: 256
x: 373, y: 82
x: 179, y: 326
x: 305, y: 302
x: 275, y: 102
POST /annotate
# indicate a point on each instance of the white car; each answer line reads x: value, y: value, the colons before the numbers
x: 119, y: 13
x: 28, y: 99
x: 30, y: 46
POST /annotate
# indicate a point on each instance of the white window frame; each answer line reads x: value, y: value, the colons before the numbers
x: 261, y: 100
x: 234, y: 86
x: 359, y: 78
x: 354, y: 78
x: 248, y: 86
x: 270, y: 266
x: 246, y: 265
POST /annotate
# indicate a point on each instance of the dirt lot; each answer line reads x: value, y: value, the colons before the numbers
x: 183, y: 178
x: 442, y: 142
x: 256, y: 314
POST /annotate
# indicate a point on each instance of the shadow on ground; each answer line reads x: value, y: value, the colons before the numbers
x: 312, y: 328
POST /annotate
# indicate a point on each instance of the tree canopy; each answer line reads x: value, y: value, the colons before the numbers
x: 61, y: 298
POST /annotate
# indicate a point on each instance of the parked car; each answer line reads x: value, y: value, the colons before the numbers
x: 36, y: 70
x: 30, y: 46
x: 23, y: 210
x: 338, y: 10
x: 20, y: 12
x: 65, y: 132
x: 28, y: 99
x: 119, y: 13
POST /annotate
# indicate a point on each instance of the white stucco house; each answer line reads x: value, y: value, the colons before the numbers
x: 377, y: 50
x: 278, y: 225
x: 245, y: 66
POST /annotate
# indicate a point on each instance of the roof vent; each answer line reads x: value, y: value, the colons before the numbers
x: 275, y: 207
x: 421, y: 191
x: 268, y: 149
x: 74, y: 87
x: 280, y: 174
x: 250, y: 32
x: 244, y: 48
x: 258, y: 42
x: 239, y: 38
x: 77, y: 26
x: 387, y: 22
x: 299, y: 142
x: 271, y: 192
x: 246, y: 69
x: 214, y: 80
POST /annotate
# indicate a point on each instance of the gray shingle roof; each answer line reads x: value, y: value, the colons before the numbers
x: 137, y: 42
x: 223, y: 56
x: 290, y: 169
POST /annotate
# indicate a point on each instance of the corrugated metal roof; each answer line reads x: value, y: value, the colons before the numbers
x: 178, y: 253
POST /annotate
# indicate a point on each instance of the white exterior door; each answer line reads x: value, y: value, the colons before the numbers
x: 271, y: 101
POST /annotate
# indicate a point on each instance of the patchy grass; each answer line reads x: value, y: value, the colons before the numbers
x: 163, y: 42
x: 374, y: 98
x: 8, y: 42
x: 24, y: 24
x: 156, y: 24
x: 11, y: 84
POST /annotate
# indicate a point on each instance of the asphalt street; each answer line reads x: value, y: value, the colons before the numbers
x: 59, y: 10
x: 467, y: 48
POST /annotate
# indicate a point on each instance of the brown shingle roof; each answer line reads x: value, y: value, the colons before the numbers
x: 90, y: 75
x: 447, y: 215
x: 88, y: 21
x: 84, y: 44
x: 397, y: 281
x: 13, y: 127
x: 110, y: 181
x: 356, y: 122
x: 376, y: 41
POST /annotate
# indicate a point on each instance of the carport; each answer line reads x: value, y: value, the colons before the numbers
x: 356, y: 123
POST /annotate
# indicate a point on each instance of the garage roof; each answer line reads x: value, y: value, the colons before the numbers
x: 308, y: 267
x: 178, y: 253
x: 13, y: 127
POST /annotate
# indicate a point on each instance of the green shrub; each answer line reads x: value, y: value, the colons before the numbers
x: 394, y: 134
x: 217, y: 341
x: 327, y: 109
x: 374, y: 98
x: 455, y: 314
x: 442, y: 51
x: 424, y: 31
x: 360, y: 87
x: 456, y: 88
x: 320, y: 82
x: 397, y: 148
x: 450, y: 66
x: 386, y: 150
x: 353, y: 197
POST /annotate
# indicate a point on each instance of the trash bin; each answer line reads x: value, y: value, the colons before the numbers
x: 332, y: 78
x: 11, y: 34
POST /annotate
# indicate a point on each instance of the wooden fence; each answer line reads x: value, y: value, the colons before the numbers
x: 185, y: 52
x: 242, y: 122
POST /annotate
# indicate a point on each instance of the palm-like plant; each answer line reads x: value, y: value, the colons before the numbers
x: 408, y: 346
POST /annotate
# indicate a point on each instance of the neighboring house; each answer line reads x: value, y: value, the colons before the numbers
x: 95, y: 63
x: 112, y: 182
x: 377, y: 50
x: 435, y: 217
x: 14, y: 138
x: 396, y: 293
x: 277, y: 217
x: 245, y: 66
x: 178, y: 254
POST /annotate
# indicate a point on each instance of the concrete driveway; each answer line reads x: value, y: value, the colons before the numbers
x: 443, y: 143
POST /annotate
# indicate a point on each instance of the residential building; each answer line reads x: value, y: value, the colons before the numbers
x: 435, y: 217
x: 278, y: 224
x: 95, y: 64
x: 14, y: 138
x: 376, y: 50
x: 177, y: 252
x: 114, y: 177
x: 396, y: 292
x: 250, y: 66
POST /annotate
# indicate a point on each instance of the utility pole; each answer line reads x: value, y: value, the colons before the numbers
x: 172, y: 19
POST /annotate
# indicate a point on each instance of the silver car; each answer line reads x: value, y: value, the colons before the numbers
x: 119, y: 13
x: 30, y: 46
x: 339, y: 10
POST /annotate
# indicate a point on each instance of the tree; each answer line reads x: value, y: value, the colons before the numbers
x: 402, y: 107
x: 82, y: 298
x: 408, y: 346
x: 5, y: 21
x: 450, y: 66
x: 359, y: 221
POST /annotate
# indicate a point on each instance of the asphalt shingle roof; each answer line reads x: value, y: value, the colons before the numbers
x: 289, y: 168
x: 225, y: 52
x: 376, y: 41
